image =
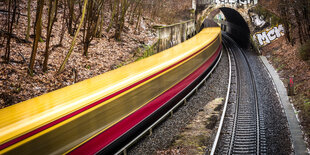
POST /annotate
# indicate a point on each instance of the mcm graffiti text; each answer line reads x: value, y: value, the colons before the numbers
x: 265, y: 37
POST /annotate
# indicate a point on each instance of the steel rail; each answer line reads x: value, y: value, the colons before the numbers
x: 256, y: 102
x: 236, y: 107
x: 225, y: 105
x: 235, y: 127
x: 184, y: 100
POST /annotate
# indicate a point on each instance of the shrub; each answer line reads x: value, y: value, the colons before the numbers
x: 304, y: 51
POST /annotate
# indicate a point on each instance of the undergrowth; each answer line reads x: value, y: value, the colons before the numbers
x: 304, y: 51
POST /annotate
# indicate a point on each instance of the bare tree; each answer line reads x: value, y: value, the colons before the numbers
x: 134, y: 7
x: 28, y: 20
x: 52, y: 13
x: 91, y: 23
x: 120, y: 22
x: 70, y: 4
x: 138, y: 20
x: 295, y: 12
x: 38, y: 30
x: 63, y: 26
x: 284, y: 12
x: 10, y: 29
x: 62, y: 67
x: 114, y: 6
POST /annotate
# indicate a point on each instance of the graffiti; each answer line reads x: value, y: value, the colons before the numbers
x: 219, y: 16
x: 244, y: 2
x: 265, y: 37
x: 258, y: 21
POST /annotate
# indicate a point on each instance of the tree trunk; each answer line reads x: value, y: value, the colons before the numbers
x: 77, y: 17
x: 101, y: 24
x: 10, y: 29
x: 98, y: 23
x: 38, y: 30
x: 63, y: 25
x: 28, y: 20
x: 284, y: 9
x: 7, y: 50
x: 113, y: 13
x: 138, y: 20
x: 121, y: 21
x: 131, y: 18
x: 298, y: 20
x: 71, y: 15
x: 52, y: 12
x: 91, y: 23
x: 305, y: 16
x: 62, y: 67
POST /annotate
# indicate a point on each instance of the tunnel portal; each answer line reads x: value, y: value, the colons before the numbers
x: 234, y: 24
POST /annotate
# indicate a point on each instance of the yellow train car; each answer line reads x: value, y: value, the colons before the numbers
x: 102, y: 113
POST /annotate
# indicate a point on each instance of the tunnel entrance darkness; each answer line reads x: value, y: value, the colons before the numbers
x: 236, y: 26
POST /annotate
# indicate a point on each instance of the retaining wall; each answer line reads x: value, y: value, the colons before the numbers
x: 170, y: 35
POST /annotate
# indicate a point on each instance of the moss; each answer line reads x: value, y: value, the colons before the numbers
x: 41, y: 40
x: 255, y: 46
x: 202, y: 140
x: 147, y: 51
x: 192, y: 10
x: 274, y: 19
x: 281, y: 67
x: 306, y: 108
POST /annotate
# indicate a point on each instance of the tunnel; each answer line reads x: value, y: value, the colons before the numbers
x: 235, y: 25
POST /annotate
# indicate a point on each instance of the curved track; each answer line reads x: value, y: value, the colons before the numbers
x: 184, y: 100
x: 243, y: 130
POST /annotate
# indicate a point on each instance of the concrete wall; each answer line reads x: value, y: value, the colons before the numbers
x: 171, y: 35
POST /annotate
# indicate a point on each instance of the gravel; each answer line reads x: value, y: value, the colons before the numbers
x: 275, y: 122
x: 277, y: 132
x: 165, y: 133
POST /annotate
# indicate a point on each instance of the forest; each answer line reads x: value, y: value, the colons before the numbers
x: 48, y: 44
x: 295, y: 14
x: 76, y: 15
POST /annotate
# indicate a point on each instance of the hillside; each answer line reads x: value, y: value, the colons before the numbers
x: 105, y: 52
x: 290, y: 56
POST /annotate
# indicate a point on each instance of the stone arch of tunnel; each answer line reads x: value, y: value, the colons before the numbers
x: 235, y: 25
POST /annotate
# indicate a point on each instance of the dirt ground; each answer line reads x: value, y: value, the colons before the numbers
x: 104, y: 54
x: 197, y: 134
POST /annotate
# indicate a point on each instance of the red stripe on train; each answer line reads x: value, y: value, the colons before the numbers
x: 107, y: 137
x: 40, y: 129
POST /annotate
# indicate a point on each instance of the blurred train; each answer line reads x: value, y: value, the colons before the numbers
x: 104, y: 113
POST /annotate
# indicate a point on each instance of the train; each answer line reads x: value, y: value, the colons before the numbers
x: 102, y: 114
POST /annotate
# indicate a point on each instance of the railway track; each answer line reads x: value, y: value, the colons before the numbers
x: 241, y: 130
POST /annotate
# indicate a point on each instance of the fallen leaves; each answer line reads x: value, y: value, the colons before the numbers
x: 104, y: 54
x: 285, y: 59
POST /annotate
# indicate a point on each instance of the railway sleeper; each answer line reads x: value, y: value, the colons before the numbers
x: 244, y: 147
x: 245, y: 134
x: 244, y: 151
x: 244, y: 139
x: 245, y: 143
